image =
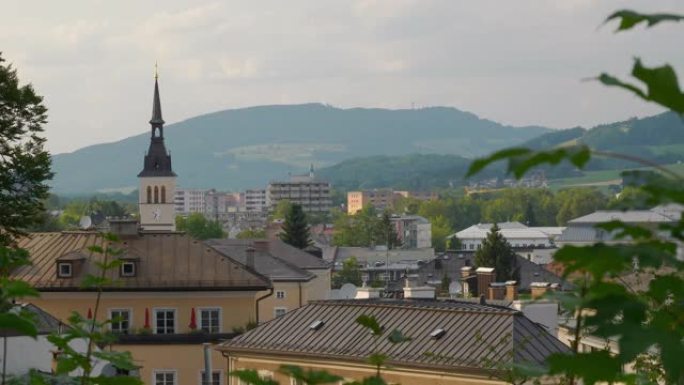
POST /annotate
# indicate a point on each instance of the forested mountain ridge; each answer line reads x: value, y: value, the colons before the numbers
x: 242, y: 148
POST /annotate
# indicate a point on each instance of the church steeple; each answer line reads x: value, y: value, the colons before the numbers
x: 157, y: 160
x: 156, y: 106
x: 157, y: 179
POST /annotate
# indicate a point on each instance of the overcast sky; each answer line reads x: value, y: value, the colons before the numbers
x: 518, y: 62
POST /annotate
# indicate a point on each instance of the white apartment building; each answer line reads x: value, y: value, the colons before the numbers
x: 415, y: 232
x: 518, y: 235
x: 308, y: 191
x: 188, y: 201
x: 254, y: 200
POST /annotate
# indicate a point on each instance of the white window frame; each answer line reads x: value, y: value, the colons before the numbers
x: 220, y: 373
x: 159, y: 371
x: 278, y: 294
x: 130, y: 317
x: 275, y: 311
x: 175, y: 319
x: 131, y: 263
x: 220, y: 317
x: 59, y: 269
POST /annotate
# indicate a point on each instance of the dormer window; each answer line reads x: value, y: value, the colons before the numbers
x: 64, y: 270
x: 128, y: 269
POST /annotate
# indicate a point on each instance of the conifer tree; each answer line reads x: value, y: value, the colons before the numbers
x: 386, y: 233
x: 295, y: 228
x: 496, y: 252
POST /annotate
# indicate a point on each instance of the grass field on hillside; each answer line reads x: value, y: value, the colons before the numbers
x: 603, y: 178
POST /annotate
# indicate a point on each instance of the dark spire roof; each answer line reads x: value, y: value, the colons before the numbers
x: 157, y: 160
x: 156, y: 106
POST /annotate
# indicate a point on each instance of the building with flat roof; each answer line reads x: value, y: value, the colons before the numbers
x: 382, y: 199
x: 188, y: 201
x: 255, y: 200
x: 307, y: 190
x: 517, y: 234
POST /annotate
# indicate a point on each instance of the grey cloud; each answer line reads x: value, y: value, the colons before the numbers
x: 518, y: 62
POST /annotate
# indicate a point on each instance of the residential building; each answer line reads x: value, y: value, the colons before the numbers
x: 452, y: 342
x: 517, y: 234
x: 219, y: 203
x: 382, y: 199
x: 297, y: 277
x: 189, y: 201
x: 157, y: 179
x: 583, y: 230
x: 255, y: 200
x: 24, y: 353
x: 414, y: 232
x: 307, y: 190
x: 366, y: 256
x: 168, y: 287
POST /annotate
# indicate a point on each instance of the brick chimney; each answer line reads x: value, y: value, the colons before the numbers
x: 123, y: 227
x: 485, y: 276
x: 249, y: 260
x: 511, y: 290
x: 538, y: 289
x: 468, y: 281
x: 261, y: 245
x: 497, y: 290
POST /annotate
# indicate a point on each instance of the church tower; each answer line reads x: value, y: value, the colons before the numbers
x: 157, y: 179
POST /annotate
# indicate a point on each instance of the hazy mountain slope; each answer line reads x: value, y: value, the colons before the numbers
x: 659, y: 138
x: 411, y: 172
x: 240, y: 148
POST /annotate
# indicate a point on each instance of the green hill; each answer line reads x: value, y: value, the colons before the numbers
x: 241, y: 148
x: 411, y: 172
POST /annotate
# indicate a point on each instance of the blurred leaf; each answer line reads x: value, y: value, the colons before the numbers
x: 250, y: 376
x: 116, y: 380
x: 626, y: 230
x: 21, y: 324
x: 377, y: 359
x: 479, y: 164
x: 96, y: 249
x: 396, y: 337
x: 371, y: 323
x: 374, y: 380
x: 91, y: 281
x: 521, y: 160
x: 591, y: 367
x: 12, y: 288
x: 122, y: 360
x: 309, y: 377
x: 628, y: 19
x: 662, y: 86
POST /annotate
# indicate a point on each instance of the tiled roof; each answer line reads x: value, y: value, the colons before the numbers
x: 171, y: 261
x: 277, y: 260
x: 474, y: 334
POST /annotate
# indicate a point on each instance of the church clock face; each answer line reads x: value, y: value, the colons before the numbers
x: 156, y: 214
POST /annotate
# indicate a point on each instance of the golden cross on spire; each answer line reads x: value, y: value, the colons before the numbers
x: 156, y: 71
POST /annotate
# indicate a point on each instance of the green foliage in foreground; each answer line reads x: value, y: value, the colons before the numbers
x: 631, y: 293
x: 198, y: 226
